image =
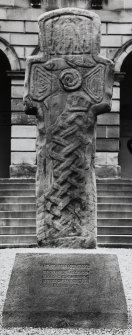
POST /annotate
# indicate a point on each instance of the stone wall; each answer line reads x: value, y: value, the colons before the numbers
x: 18, y: 26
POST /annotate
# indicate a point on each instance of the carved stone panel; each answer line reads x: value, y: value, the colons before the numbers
x: 67, y: 87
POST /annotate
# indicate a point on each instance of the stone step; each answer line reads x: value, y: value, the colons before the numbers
x: 114, y: 187
x: 18, y: 245
x: 17, y: 222
x: 114, y: 193
x: 18, y: 239
x: 17, y: 180
x: 18, y: 214
x: 17, y: 199
x: 117, y: 239
x: 113, y: 207
x: 104, y: 222
x: 17, y: 192
x: 17, y: 186
x: 25, y: 230
x: 114, y: 199
x: 113, y: 245
x: 30, y: 193
x: 114, y: 214
x: 114, y: 181
x: 116, y: 230
x: 17, y: 207
x: 101, y: 180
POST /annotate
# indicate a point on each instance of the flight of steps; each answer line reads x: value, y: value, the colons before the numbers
x: 115, y: 212
x: 17, y: 213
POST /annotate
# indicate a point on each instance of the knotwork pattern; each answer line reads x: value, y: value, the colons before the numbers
x: 65, y: 200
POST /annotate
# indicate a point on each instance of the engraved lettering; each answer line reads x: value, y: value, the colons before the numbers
x: 65, y: 274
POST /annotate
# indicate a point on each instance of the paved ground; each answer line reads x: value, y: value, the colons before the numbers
x: 7, y: 257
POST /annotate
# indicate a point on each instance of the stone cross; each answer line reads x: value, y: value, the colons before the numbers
x: 67, y: 85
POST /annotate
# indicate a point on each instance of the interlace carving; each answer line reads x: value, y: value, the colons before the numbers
x: 67, y: 193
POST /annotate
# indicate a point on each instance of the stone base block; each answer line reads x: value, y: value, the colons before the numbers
x: 22, y: 170
x: 108, y: 171
x: 65, y: 290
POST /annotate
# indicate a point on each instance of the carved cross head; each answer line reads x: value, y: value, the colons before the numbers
x: 69, y: 70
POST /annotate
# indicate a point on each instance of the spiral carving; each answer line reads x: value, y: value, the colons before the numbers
x: 70, y: 79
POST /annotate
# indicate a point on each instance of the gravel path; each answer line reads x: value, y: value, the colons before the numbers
x: 7, y: 257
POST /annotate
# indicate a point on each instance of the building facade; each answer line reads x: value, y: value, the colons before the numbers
x: 18, y: 40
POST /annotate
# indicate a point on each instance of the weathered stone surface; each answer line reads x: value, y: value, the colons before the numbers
x: 109, y: 119
x: 23, y: 144
x: 106, y: 158
x: 67, y: 87
x: 107, y: 145
x: 71, y: 290
x: 21, y: 118
x: 22, y: 170
x: 20, y: 158
x: 108, y: 171
x: 23, y: 131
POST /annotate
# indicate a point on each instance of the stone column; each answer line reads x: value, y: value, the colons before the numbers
x: 67, y: 86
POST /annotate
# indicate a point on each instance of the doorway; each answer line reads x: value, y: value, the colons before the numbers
x: 5, y: 116
x: 125, y: 155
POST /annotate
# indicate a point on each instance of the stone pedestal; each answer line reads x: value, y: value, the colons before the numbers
x: 68, y: 290
x: 67, y: 87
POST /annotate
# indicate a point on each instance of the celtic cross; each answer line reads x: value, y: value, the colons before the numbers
x: 67, y: 85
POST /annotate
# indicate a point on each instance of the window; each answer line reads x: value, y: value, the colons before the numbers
x: 96, y: 4
x: 35, y: 3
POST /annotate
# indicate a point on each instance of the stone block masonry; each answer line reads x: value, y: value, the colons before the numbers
x: 23, y: 131
x: 10, y: 26
x: 119, y: 28
x: 20, y: 158
x: 22, y: 39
